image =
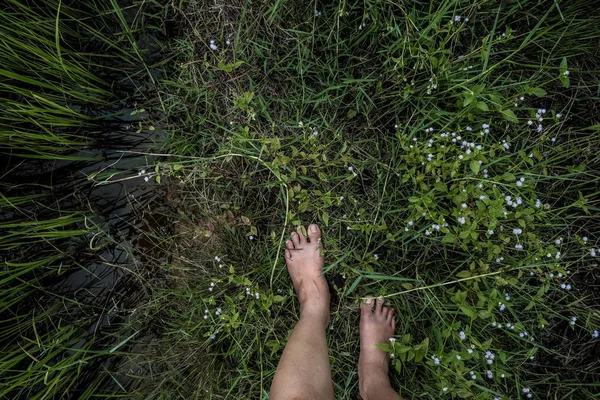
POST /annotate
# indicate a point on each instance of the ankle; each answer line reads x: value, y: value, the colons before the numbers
x: 373, y: 381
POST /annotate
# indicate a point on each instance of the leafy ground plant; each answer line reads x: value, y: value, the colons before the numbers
x: 448, y: 149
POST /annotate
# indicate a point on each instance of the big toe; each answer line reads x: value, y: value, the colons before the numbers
x: 314, y: 233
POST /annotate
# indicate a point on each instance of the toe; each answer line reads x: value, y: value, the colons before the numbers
x: 295, y: 238
x: 299, y: 232
x: 394, y: 323
x: 288, y: 254
x: 366, y: 307
x: 385, y: 312
x: 314, y: 233
x: 289, y: 244
x: 379, y: 306
x: 390, y: 315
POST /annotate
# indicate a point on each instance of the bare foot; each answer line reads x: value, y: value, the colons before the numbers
x: 305, y: 261
x: 376, y: 326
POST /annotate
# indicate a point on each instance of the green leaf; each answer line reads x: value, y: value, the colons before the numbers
x: 565, y: 80
x: 469, y: 96
x: 229, y: 67
x: 469, y: 311
x: 449, y: 238
x: 354, y: 285
x: 441, y: 187
x: 509, y: 177
x: 474, y: 164
x: 509, y: 115
x: 563, y: 65
x: 482, y: 106
x: 413, y: 199
x: 278, y: 299
x: 325, y: 218
x: 538, y: 92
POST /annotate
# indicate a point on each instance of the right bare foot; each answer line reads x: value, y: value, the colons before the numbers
x: 376, y: 326
x: 305, y: 261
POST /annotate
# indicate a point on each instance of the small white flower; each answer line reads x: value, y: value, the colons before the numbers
x: 350, y: 168
x: 596, y: 333
x: 558, y: 115
x: 461, y: 220
x: 458, y: 357
x: 566, y: 73
x: 462, y: 335
x: 519, y: 247
x: 392, y: 339
x: 585, y: 239
x: 463, y: 205
x: 146, y: 179
x: 519, y: 183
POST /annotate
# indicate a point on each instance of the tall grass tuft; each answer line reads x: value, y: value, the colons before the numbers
x: 57, y: 59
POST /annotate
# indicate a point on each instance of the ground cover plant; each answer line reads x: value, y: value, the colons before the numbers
x: 449, y: 151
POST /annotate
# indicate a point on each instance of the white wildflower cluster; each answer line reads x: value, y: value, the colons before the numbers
x: 501, y: 306
x: 521, y: 181
x: 485, y: 129
x: 517, y: 231
x: 318, y: 13
x: 596, y: 334
x: 489, y: 357
x: 436, y: 360
x: 489, y: 374
x: 212, y: 45
x: 458, y: 18
x: 205, y: 313
x: 527, y: 392
x: 518, y: 247
x: 212, y: 285
x: 473, y: 376
x: 462, y: 335
x: 593, y: 252
x: 499, y: 259
x: 461, y: 220
x: 513, y: 203
x: 505, y: 144
x: 573, y: 320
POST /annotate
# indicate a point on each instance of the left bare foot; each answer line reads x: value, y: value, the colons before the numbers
x: 305, y: 262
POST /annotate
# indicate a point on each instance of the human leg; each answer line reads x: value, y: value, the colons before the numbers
x: 376, y: 326
x: 304, y: 370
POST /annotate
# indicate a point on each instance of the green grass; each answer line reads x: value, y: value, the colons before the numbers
x: 371, y: 78
x: 52, y: 344
x: 315, y: 112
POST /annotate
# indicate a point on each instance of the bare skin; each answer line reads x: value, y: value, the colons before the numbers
x: 304, y: 371
x: 377, y: 325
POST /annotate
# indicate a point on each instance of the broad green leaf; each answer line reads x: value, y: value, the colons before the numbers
x: 538, y: 92
x: 474, y: 164
x: 482, y: 106
x: 509, y: 115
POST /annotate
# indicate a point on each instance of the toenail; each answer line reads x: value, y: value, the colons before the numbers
x: 313, y: 228
x: 368, y: 301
